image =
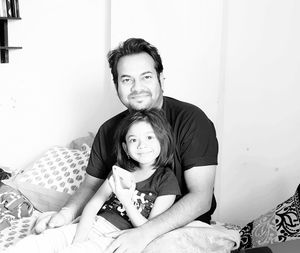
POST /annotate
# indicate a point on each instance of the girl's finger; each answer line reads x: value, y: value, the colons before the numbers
x: 111, y: 183
x: 117, y: 181
x: 132, y: 187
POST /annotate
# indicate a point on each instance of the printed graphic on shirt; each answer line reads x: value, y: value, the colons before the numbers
x: 142, y: 201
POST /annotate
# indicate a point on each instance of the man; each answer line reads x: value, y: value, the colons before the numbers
x: 137, y: 72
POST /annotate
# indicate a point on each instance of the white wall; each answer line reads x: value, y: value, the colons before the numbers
x: 55, y: 88
x: 260, y: 139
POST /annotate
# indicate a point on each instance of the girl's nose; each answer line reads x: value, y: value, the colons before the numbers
x: 141, y: 144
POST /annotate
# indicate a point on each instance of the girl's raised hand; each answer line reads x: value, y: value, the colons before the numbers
x: 123, y: 194
x: 123, y: 189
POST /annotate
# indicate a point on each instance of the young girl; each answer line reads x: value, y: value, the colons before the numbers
x: 144, y: 147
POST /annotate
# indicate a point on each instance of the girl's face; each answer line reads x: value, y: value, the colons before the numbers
x: 141, y: 144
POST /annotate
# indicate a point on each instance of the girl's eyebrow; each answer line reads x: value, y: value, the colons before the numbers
x: 132, y: 135
x: 149, y: 132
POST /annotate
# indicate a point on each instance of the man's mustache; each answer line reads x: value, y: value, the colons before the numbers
x: 139, y: 93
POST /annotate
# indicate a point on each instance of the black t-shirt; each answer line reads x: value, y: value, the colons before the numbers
x: 161, y: 182
x: 194, y: 135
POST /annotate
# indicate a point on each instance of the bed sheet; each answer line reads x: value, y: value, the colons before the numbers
x: 187, y: 239
x: 19, y: 229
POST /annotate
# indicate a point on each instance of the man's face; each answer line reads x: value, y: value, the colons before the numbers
x: 138, y: 84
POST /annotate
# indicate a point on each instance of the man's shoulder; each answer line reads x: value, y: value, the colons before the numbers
x: 181, y: 108
x: 109, y: 126
x: 115, y: 120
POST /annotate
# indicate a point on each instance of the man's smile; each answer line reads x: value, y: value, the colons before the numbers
x: 139, y: 95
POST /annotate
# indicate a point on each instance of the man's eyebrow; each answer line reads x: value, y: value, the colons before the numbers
x: 125, y: 75
x: 147, y: 72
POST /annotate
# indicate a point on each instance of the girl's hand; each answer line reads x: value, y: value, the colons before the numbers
x: 123, y: 194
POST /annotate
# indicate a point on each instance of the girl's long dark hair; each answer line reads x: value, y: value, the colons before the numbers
x: 163, y: 133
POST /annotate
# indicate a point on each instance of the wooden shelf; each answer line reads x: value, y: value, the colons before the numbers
x: 9, y: 18
x: 4, y: 48
x: 9, y: 48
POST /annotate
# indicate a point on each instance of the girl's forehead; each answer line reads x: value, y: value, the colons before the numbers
x: 140, y: 127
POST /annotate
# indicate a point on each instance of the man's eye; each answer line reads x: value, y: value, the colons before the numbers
x: 148, y: 77
x: 126, y: 80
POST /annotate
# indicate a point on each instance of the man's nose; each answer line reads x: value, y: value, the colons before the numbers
x: 137, y: 86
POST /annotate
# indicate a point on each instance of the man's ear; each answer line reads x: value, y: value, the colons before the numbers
x: 162, y: 80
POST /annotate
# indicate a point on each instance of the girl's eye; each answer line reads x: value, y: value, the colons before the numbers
x: 150, y: 137
x: 132, y: 140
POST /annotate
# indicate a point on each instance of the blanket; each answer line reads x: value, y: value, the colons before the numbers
x: 13, y: 205
x: 196, y: 237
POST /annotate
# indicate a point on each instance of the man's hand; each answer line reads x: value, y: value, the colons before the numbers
x: 51, y: 220
x: 130, y: 241
x: 42, y: 222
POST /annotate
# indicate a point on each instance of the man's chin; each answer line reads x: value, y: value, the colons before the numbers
x: 139, y: 106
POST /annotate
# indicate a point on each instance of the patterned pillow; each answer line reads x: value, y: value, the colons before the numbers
x: 278, y: 225
x: 47, y: 185
x: 60, y: 169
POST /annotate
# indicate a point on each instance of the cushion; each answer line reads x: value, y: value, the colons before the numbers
x: 53, y: 178
x: 88, y: 140
x: 280, y: 224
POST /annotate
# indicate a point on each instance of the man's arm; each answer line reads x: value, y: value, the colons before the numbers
x: 73, y: 208
x: 90, y: 211
x: 200, y: 183
x: 87, y: 189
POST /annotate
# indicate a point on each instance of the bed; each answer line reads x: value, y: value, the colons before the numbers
x: 47, y: 184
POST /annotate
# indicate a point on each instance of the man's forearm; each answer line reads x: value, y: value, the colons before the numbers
x: 76, y: 202
x: 79, y: 199
x: 181, y: 213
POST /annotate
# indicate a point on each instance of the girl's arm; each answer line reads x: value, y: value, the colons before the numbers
x: 90, y: 211
x: 161, y: 204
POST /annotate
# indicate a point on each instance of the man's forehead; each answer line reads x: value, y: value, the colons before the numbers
x: 136, y: 63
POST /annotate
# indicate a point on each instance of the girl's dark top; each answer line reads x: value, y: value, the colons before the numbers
x: 161, y: 182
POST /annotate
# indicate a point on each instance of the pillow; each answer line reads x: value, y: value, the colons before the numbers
x: 53, y: 178
x: 280, y: 224
x: 77, y: 143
